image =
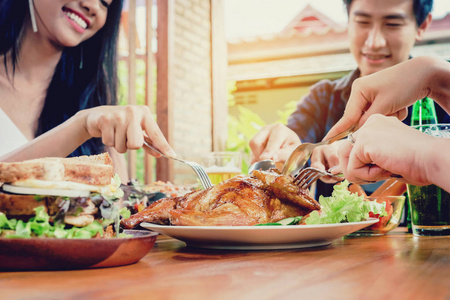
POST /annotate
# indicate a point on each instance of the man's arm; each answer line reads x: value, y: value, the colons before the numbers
x: 308, y: 121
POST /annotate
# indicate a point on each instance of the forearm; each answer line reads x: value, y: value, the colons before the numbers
x: 440, y: 83
x: 438, y: 163
x: 437, y: 80
x: 58, y: 142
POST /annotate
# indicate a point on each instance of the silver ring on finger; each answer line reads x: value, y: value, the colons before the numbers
x: 351, y: 139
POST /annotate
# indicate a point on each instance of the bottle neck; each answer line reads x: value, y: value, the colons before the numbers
x: 423, y: 112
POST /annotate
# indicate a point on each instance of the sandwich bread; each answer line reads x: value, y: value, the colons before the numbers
x: 91, y: 170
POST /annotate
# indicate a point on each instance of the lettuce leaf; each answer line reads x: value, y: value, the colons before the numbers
x: 343, y: 206
x: 40, y: 226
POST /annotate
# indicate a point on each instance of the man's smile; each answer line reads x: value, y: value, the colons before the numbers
x: 376, y: 57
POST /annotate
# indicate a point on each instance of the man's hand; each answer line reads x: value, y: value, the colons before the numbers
x: 326, y: 157
x: 274, y: 142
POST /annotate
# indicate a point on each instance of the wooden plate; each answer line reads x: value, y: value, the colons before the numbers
x: 68, y: 254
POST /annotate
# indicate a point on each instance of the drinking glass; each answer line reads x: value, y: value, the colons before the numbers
x: 221, y: 166
x: 430, y: 205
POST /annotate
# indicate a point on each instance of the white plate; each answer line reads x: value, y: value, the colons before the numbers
x: 259, y: 237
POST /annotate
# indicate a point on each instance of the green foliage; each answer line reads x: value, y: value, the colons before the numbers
x: 123, y: 82
x: 284, y: 114
x: 240, y: 130
x: 244, y: 126
x: 231, y: 88
x: 140, y: 99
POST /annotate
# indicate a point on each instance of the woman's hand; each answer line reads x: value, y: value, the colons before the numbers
x: 275, y: 141
x: 385, y: 146
x: 125, y: 127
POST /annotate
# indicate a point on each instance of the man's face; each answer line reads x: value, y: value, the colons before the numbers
x: 381, y: 33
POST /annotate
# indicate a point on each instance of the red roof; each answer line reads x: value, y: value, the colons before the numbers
x: 310, y: 20
x: 440, y: 24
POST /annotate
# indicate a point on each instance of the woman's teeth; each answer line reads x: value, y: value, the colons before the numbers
x: 76, y: 19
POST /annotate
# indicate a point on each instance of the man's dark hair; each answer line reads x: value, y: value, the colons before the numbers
x: 421, y: 9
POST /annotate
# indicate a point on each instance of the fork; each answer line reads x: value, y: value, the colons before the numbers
x: 201, y: 173
x: 302, y: 153
x: 306, y: 177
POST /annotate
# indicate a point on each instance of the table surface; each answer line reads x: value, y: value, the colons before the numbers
x: 394, y: 266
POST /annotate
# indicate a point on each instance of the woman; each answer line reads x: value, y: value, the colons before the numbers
x: 58, y: 83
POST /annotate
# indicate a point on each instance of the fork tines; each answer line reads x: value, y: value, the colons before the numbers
x: 308, y: 176
x: 201, y: 173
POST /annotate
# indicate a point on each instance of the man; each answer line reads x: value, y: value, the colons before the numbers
x: 381, y: 34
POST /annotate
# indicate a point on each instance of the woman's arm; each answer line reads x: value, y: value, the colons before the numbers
x: 58, y: 142
x: 120, y: 127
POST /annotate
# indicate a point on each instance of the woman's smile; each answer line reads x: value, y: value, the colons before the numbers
x: 77, y: 20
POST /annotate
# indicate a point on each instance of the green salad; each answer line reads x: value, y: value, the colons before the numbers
x: 40, y: 226
x: 341, y: 207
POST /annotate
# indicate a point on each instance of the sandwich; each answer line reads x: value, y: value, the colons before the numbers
x: 60, y: 197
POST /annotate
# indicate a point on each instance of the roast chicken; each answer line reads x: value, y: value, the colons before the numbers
x: 262, y: 197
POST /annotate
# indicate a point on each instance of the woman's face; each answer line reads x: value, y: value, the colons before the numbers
x: 67, y: 23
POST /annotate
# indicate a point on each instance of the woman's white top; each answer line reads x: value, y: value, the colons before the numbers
x: 11, y: 137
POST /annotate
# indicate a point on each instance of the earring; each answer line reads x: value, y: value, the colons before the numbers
x: 81, y: 58
x: 32, y: 16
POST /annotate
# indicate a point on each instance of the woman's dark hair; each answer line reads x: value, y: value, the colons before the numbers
x: 421, y: 9
x: 72, y: 87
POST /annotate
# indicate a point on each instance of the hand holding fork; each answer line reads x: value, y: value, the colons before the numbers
x: 302, y: 153
x: 307, y: 176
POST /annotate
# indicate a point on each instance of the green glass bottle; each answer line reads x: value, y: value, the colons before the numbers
x: 423, y: 113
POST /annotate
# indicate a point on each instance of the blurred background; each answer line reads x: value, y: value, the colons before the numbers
x: 216, y: 71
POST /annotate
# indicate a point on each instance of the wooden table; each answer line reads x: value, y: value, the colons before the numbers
x: 394, y: 266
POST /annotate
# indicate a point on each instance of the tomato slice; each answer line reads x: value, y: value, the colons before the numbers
x: 383, y: 220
